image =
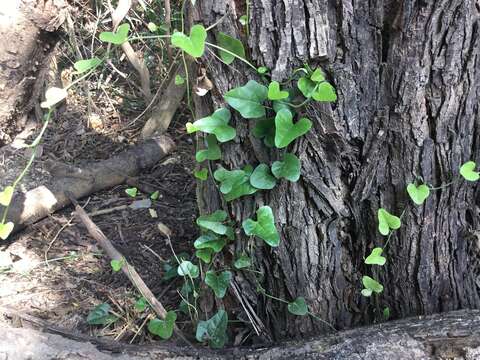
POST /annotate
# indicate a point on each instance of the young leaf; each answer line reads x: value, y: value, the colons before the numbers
x: 274, y: 92
x: 179, y: 80
x: 213, y: 222
x: 317, y: 76
x: 286, y: 131
x: 118, y: 37
x: 141, y: 304
x: 243, y: 20
x: 201, y: 174
x: 248, y: 99
x: 85, y: 65
x: 298, y: 307
x: 418, y: 194
x: 218, y: 283
x: 265, y: 129
x: 163, y: 328
x: 100, y: 315
x: 194, y: 44
x: 210, y: 241
x: 214, y: 330
x: 216, y: 124
x: 467, y: 171
x: 231, y: 44
x: 132, y: 192
x: 261, y: 178
x: 242, y: 262
x: 325, y: 93
x: 262, y: 70
x: 6, y: 229
x: 387, y: 222
x: 155, y: 195
x: 205, y: 255
x: 186, y: 268
x: 375, y: 257
x: 53, y: 96
x: 211, y: 152
x: 306, y: 86
x: 264, y: 227
x: 371, y: 286
x: 234, y: 184
x: 6, y: 196
x: 289, y: 168
x: 117, y: 264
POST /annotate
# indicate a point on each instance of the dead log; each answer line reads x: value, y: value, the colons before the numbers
x: 441, y: 336
x: 37, y: 203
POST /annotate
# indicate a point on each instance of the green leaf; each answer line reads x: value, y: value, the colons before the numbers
x: 386, y: 312
x: 53, y: 96
x: 201, y: 174
x: 132, y: 192
x: 265, y: 129
x: 325, y: 93
x: 205, y: 255
x: 371, y: 286
x: 214, y: 330
x: 264, y: 227
x: 179, y: 80
x: 6, y: 195
x: 467, y: 171
x: 211, y: 152
x: 155, y: 195
x: 170, y: 271
x: 218, y: 283
x: 100, y: 315
x: 274, y: 92
x: 317, y: 76
x: 234, y: 184
x: 242, y: 262
x: 366, y: 292
x: 289, y: 168
x: 85, y: 65
x: 6, y: 229
x: 141, y: 304
x: 216, y: 124
x: 262, y: 178
x: 286, y: 131
x: 298, y: 307
x: 213, y: 222
x: 163, y: 328
x: 375, y: 257
x: 194, y: 44
x: 243, y: 20
x: 186, y: 268
x: 248, y: 99
x: 306, y: 86
x: 418, y: 194
x: 387, y: 222
x: 231, y: 44
x: 117, y: 264
x: 118, y: 37
x: 210, y: 241
x: 262, y: 70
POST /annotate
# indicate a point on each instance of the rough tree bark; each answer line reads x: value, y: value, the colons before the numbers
x: 408, y: 81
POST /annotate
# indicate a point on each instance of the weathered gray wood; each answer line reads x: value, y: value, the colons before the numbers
x: 408, y: 80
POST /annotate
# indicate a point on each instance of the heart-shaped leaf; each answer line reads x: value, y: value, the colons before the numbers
x: 262, y: 178
x: 141, y: 304
x: 6, y: 229
x: 248, y: 100
x: 132, y: 192
x: 163, y: 328
x: 286, y: 131
x: 53, y: 96
x: 264, y: 227
x: 418, y: 194
x: 186, y: 268
x: 324, y: 92
x: 387, y: 221
x: 118, y: 37
x: 218, y: 283
x: 371, y: 286
x: 117, y: 264
x: 243, y: 20
x: 234, y: 183
x: 6, y: 196
x: 376, y: 258
x: 298, y: 307
x: 306, y: 86
x: 85, y: 65
x: 242, y: 262
x: 289, y: 168
x: 179, y: 80
x: 317, y: 76
x: 194, y: 44
x: 211, y: 152
x: 231, y: 44
x: 214, y: 330
x: 214, y: 222
x: 210, y: 241
x: 467, y: 171
x: 274, y: 92
x: 100, y: 315
x: 201, y: 174
x: 265, y: 129
x: 262, y: 70
x: 216, y: 124
x: 205, y: 255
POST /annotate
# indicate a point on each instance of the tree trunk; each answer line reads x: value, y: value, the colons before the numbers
x: 408, y: 84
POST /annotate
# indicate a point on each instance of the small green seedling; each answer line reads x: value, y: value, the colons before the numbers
x: 371, y: 286
x: 468, y: 172
x: 118, y: 37
x: 418, y: 194
x: 375, y: 257
x: 155, y: 195
x: 132, y: 192
x: 387, y: 222
x: 201, y: 174
x: 179, y: 80
x: 298, y: 307
x: 141, y: 304
x: 243, y: 20
x: 264, y: 227
x: 194, y: 45
x: 163, y: 328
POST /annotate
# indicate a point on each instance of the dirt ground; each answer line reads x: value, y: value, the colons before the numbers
x: 53, y: 270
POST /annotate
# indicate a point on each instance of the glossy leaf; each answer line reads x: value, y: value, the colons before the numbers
x: 468, y: 172
x: 289, y: 168
x: 194, y: 44
x: 248, y: 99
x: 306, y: 86
x: 375, y: 257
x: 132, y: 192
x: 264, y: 227
x: 216, y: 124
x: 210, y: 241
x: 274, y: 92
x: 371, y: 286
x: 387, y: 222
x: 262, y: 178
x: 234, y: 184
x: 218, y: 283
x: 214, y: 222
x: 205, y: 255
x: 201, y: 174
x: 324, y: 92
x: 418, y: 194
x: 286, y: 131
x: 265, y: 129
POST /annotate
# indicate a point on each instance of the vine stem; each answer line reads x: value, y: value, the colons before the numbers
x: 444, y: 186
x: 231, y: 53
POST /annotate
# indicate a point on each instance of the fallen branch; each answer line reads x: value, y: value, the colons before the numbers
x: 29, y: 207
